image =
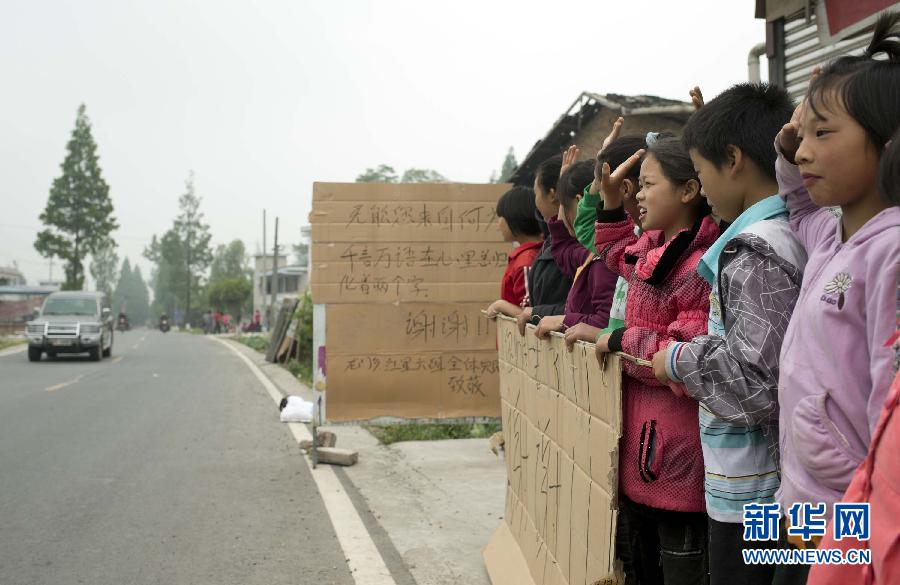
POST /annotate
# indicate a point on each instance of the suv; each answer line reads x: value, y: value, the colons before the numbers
x: 72, y: 322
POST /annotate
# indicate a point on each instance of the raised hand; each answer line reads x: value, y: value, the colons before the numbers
x: 789, y: 138
x: 696, y: 97
x: 611, y: 182
x: 569, y: 158
x: 613, y: 134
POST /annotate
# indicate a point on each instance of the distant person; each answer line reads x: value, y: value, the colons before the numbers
x: 217, y: 322
x: 207, y: 322
x: 226, y: 320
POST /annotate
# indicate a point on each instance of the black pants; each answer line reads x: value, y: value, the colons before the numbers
x: 726, y: 562
x: 665, y: 547
x: 789, y: 574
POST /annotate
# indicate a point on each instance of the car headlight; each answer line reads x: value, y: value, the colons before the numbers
x: 90, y: 329
x: 36, y: 329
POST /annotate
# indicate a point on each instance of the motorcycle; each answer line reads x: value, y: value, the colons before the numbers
x: 164, y: 324
x: 123, y: 324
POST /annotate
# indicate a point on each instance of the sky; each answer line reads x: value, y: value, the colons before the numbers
x: 261, y: 99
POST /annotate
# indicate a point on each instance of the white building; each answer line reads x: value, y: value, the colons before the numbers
x: 291, y: 282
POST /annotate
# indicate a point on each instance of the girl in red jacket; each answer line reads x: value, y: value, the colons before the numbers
x: 517, y: 222
x: 660, y: 459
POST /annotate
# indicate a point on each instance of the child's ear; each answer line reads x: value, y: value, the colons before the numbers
x: 690, y: 191
x: 734, y: 160
x: 552, y: 195
x: 628, y: 189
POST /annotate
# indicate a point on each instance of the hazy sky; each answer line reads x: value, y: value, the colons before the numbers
x: 262, y: 98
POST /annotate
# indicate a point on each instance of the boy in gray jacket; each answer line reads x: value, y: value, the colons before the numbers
x: 755, y: 269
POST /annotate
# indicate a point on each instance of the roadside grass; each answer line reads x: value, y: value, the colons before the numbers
x: 301, y: 370
x: 389, y: 434
x: 258, y: 342
x: 7, y: 342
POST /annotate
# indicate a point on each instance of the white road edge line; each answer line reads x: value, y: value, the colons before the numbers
x: 14, y: 349
x: 365, y: 562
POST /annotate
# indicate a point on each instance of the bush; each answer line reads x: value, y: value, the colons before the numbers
x: 388, y: 434
x: 258, y: 342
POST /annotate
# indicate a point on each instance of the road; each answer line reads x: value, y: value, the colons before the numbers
x: 160, y: 465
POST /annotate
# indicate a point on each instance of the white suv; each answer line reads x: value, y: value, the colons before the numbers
x: 72, y: 322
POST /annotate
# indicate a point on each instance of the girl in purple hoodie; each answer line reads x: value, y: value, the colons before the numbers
x: 835, y: 369
x: 593, y: 282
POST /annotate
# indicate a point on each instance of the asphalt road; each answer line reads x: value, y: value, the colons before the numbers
x: 160, y: 465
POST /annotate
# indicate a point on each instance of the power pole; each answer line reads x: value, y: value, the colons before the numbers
x: 265, y: 306
x: 275, y: 266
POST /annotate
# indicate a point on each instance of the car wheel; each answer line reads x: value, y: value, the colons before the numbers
x: 34, y: 354
x: 95, y: 354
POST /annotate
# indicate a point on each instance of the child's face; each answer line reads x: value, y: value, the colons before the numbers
x: 718, y: 188
x: 659, y: 200
x: 838, y: 162
x: 546, y: 203
x: 504, y: 230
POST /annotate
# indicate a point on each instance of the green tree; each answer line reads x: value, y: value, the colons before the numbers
x: 229, y: 261
x: 509, y: 166
x: 231, y: 294
x: 169, y: 273
x: 194, y: 236
x: 121, y: 297
x: 140, y: 311
x: 79, y: 212
x: 382, y: 174
x: 301, y: 253
x: 104, y: 264
x: 422, y: 176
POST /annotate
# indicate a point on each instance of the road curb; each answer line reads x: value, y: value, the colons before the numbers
x: 14, y: 350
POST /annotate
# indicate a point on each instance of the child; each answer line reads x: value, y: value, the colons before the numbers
x: 755, y: 270
x: 548, y: 287
x: 877, y: 480
x: 614, y: 153
x: 660, y: 460
x: 835, y: 370
x: 517, y: 223
x: 590, y: 297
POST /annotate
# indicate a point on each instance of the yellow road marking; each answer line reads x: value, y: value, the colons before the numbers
x: 63, y: 385
x: 116, y: 359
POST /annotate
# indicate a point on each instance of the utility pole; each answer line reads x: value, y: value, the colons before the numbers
x: 265, y: 305
x: 275, y: 267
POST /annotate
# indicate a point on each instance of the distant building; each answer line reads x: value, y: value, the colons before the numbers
x: 19, y: 303
x: 11, y: 276
x: 291, y: 282
x: 590, y: 118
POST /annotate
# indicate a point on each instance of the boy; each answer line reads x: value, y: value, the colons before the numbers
x: 755, y: 269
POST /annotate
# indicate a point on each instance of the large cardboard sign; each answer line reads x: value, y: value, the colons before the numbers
x: 562, y: 419
x: 404, y: 271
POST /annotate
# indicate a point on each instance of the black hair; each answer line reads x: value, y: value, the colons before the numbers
x: 517, y: 207
x: 547, y: 173
x: 619, y: 150
x: 573, y: 181
x: 747, y: 116
x: 677, y: 166
x: 868, y: 89
x: 889, y: 171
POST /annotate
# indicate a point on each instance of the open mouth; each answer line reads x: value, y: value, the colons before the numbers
x: 642, y: 211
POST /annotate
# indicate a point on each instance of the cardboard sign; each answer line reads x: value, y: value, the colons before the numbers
x: 404, y: 271
x: 562, y: 419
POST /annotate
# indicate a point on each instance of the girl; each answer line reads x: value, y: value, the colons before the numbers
x: 877, y: 480
x: 517, y: 223
x: 548, y: 287
x: 660, y: 459
x: 591, y: 294
x: 614, y: 152
x: 835, y: 370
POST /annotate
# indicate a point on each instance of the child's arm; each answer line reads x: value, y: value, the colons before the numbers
x: 567, y: 252
x: 614, y: 232
x: 586, y: 218
x: 736, y: 376
x: 881, y: 321
x: 808, y: 221
x: 692, y: 299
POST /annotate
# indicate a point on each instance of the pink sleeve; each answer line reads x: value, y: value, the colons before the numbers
x: 612, y: 237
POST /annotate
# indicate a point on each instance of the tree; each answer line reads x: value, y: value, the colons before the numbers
x: 121, y: 295
x: 231, y: 294
x: 422, y: 176
x: 509, y: 166
x: 194, y: 236
x: 104, y: 264
x: 131, y: 296
x: 229, y: 261
x: 169, y: 273
x: 382, y: 174
x: 79, y: 212
x: 301, y: 253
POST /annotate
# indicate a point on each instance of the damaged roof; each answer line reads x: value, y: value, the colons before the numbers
x: 584, y: 109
